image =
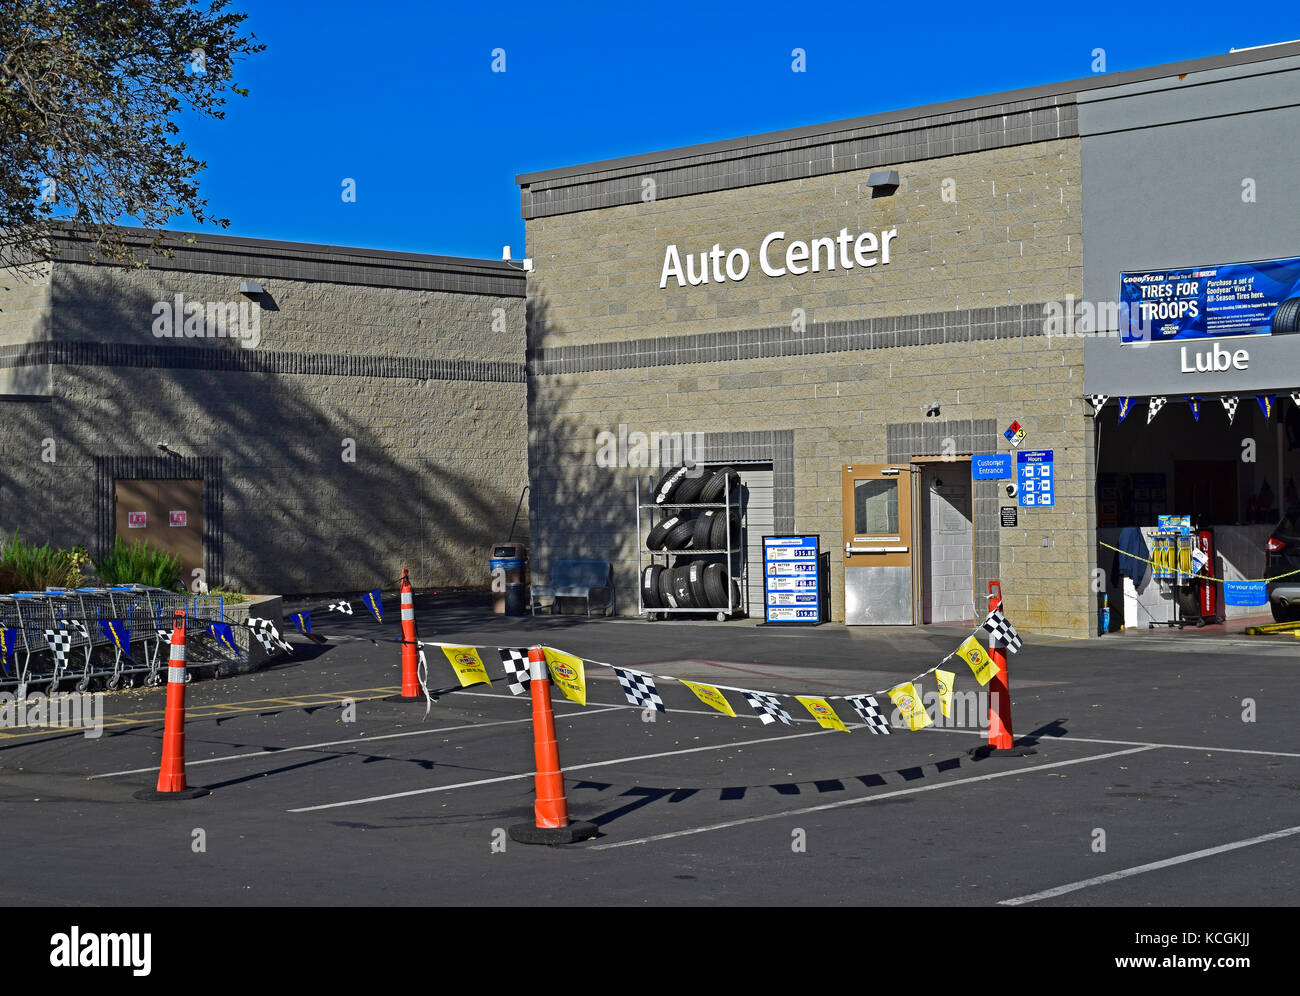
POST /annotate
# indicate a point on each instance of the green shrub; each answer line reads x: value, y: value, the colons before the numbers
x: 138, y: 563
x: 26, y: 567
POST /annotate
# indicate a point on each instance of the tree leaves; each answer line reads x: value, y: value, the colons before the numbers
x: 88, y: 93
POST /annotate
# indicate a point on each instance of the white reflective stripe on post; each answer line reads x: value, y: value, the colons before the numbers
x: 176, y: 674
x: 408, y: 614
x: 178, y: 652
x: 537, y: 670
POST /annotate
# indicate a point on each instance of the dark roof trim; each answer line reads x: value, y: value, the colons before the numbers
x: 209, y: 253
x: 1068, y: 88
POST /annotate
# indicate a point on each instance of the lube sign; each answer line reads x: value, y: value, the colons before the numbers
x: 1215, y: 360
x: 778, y: 256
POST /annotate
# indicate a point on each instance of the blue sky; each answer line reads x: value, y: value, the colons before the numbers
x: 400, y: 97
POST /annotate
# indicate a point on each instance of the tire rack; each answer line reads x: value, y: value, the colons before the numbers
x: 645, y: 556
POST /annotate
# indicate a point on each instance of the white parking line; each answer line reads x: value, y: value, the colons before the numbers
x: 567, y: 768
x: 1061, y: 890
x: 1028, y: 770
x: 1046, y: 739
x: 272, y: 751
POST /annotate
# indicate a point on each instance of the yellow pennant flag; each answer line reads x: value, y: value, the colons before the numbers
x: 908, y: 700
x: 821, y: 711
x: 468, y: 665
x: 710, y: 696
x: 567, y: 672
x: 978, y: 659
x: 944, y: 679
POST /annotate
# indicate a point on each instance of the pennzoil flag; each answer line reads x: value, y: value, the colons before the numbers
x: 374, y: 601
x: 820, y: 710
x: 945, y: 679
x: 710, y: 696
x: 981, y: 664
x: 640, y: 689
x: 908, y: 699
x: 223, y: 634
x: 515, y: 661
x: 468, y: 665
x: 568, y: 673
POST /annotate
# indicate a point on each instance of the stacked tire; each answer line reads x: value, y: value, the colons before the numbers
x: 697, y: 584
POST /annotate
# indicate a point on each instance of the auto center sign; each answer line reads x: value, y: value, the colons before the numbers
x: 778, y: 255
x: 1205, y: 302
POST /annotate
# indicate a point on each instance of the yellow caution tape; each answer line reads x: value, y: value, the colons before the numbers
x: 1168, y: 566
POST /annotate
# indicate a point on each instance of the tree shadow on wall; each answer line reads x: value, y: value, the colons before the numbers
x: 295, y: 515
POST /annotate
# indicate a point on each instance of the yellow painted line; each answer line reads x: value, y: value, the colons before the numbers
x: 214, y: 711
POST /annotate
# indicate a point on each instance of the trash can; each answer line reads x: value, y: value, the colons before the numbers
x: 508, y: 566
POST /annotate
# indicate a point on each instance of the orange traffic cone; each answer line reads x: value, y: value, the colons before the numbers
x: 551, y: 823
x: 171, y: 774
x: 410, y: 649
x: 1001, y: 741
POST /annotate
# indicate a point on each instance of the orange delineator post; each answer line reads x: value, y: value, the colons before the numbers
x: 171, y: 773
x: 410, y: 655
x: 551, y: 824
x: 551, y: 808
x: 1000, y: 735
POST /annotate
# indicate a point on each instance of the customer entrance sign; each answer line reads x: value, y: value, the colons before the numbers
x: 1036, y: 475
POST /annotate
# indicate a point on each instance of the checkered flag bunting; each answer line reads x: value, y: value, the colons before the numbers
x: 640, y: 689
x: 1001, y: 630
x: 767, y: 707
x: 268, y: 636
x: 516, y: 665
x: 1098, y: 402
x: 1230, y: 406
x: 344, y: 607
x: 1153, y: 408
x: 164, y: 635
x: 60, y: 641
x: 1295, y: 396
x: 869, y: 709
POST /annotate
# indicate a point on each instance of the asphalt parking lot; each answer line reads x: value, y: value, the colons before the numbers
x: 1141, y: 747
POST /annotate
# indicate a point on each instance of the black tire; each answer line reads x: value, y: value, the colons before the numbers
x: 704, y: 529
x: 668, y: 484
x: 650, y: 586
x: 695, y: 573
x: 718, y: 534
x: 680, y: 536
x: 681, y: 586
x: 716, y: 489
x: 688, y: 491
x: 735, y: 596
x: 667, y: 600
x: 1286, y: 317
x: 655, y: 541
x: 715, y: 586
x: 1284, y: 613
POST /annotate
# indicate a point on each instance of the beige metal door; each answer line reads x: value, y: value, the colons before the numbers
x: 879, y: 545
x: 166, y: 514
